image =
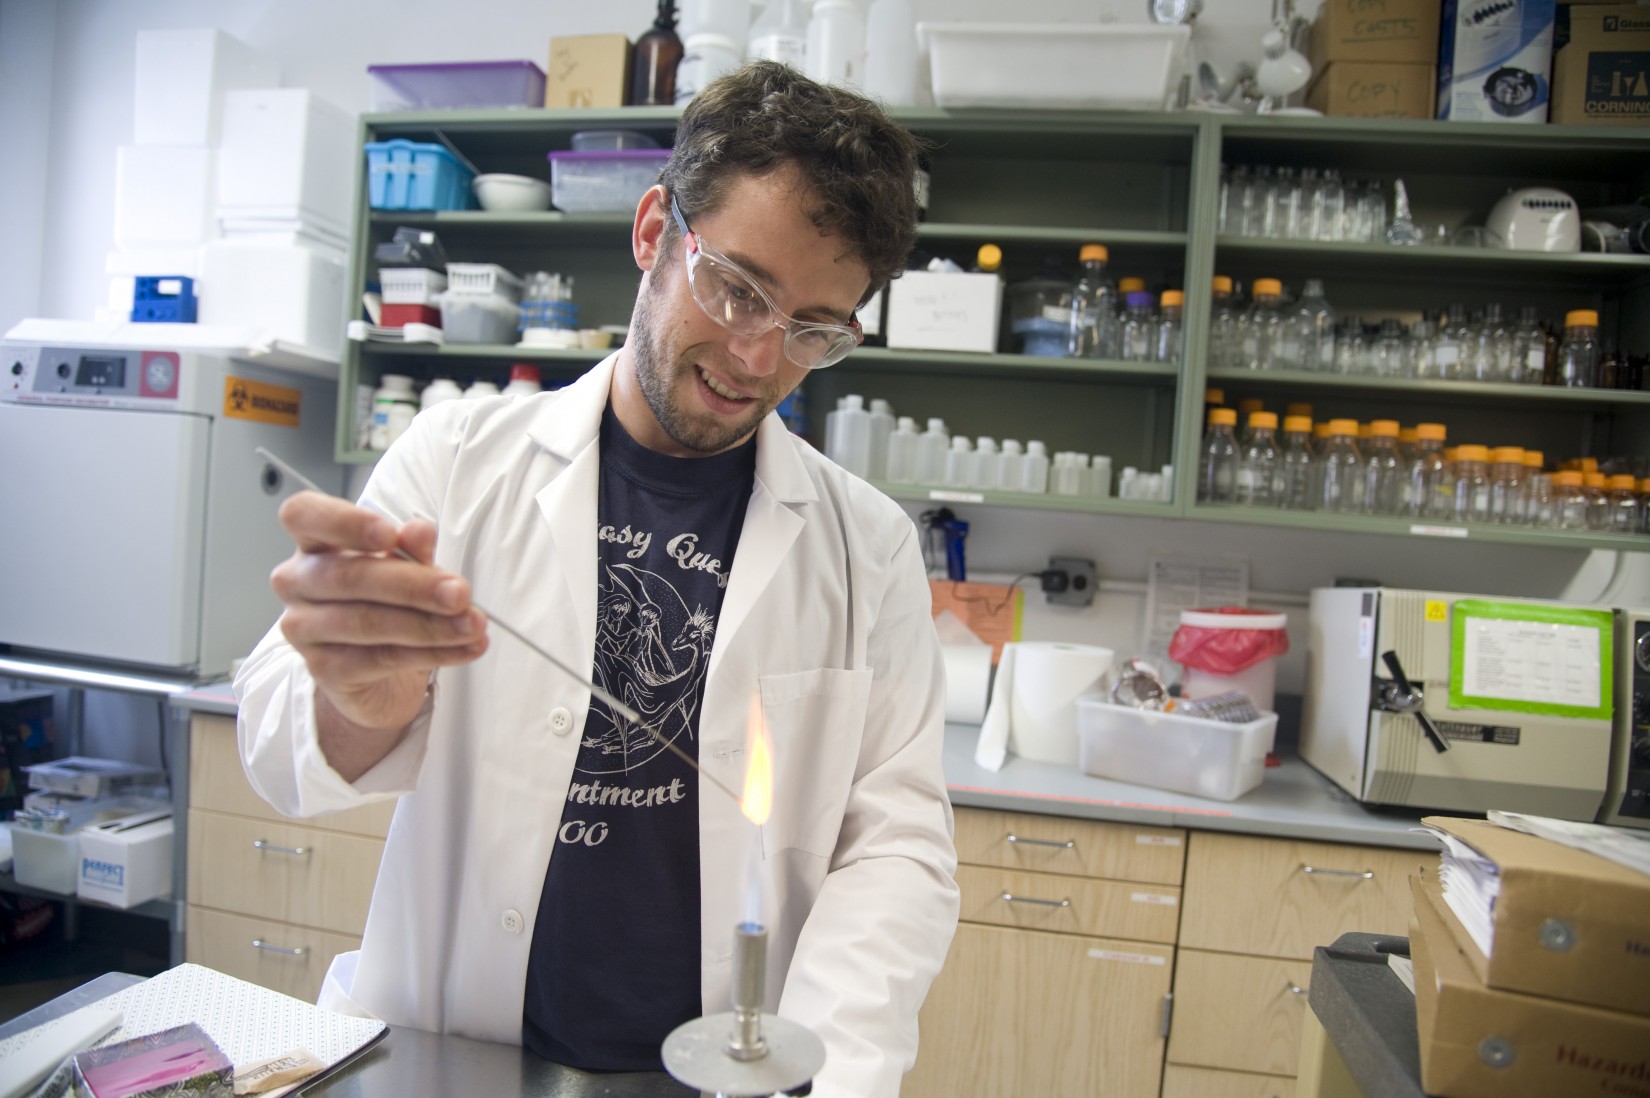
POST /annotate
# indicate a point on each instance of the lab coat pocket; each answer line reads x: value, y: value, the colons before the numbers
x: 817, y: 721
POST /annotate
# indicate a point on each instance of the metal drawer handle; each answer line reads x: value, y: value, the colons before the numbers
x: 1294, y: 988
x: 1009, y: 897
x: 1069, y: 844
x: 296, y: 851
x: 259, y: 943
x: 1365, y: 875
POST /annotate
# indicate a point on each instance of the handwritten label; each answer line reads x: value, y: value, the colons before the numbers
x: 1127, y: 958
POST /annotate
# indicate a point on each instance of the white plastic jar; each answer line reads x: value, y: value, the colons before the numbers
x: 393, y: 408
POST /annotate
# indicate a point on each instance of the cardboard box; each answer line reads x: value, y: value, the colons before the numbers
x: 1495, y: 60
x: 1356, y: 89
x: 588, y: 70
x: 1479, y: 1042
x: 128, y: 861
x: 944, y: 311
x: 1601, y: 77
x: 1567, y: 924
x: 1404, y: 31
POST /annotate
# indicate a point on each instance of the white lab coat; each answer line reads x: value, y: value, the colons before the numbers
x: 827, y: 612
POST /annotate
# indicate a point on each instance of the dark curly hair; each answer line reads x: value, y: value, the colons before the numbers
x: 859, y: 164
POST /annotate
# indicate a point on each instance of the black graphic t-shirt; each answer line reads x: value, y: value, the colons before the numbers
x: 614, y: 965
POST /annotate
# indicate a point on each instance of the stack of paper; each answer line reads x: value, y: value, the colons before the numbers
x: 1471, y: 883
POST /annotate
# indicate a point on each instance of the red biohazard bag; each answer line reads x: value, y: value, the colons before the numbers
x: 1228, y: 639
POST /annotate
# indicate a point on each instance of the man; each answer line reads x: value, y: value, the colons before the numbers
x: 553, y: 876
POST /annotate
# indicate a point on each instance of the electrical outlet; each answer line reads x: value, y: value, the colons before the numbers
x: 1078, y: 589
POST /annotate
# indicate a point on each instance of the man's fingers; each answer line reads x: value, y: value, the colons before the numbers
x: 374, y: 625
x: 342, y: 667
x: 319, y: 522
x: 359, y: 577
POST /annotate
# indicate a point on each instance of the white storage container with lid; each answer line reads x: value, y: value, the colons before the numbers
x: 1203, y: 758
x: 603, y: 182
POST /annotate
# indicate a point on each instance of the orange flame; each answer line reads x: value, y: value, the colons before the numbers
x: 757, y: 801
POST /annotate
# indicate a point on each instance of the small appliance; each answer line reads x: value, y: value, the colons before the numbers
x: 1627, y: 799
x: 1536, y: 219
x: 1460, y: 703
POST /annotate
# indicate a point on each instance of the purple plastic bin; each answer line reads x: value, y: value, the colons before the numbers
x: 447, y: 85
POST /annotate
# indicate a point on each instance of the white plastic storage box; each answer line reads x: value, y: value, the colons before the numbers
x: 41, y: 859
x: 1055, y: 65
x: 288, y: 155
x: 87, y: 776
x: 482, y: 278
x: 410, y: 285
x: 1204, y: 758
x: 283, y: 291
x: 612, y: 181
x: 165, y: 197
x: 474, y: 85
x: 477, y: 318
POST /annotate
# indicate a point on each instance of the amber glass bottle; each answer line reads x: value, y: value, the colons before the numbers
x: 654, y: 59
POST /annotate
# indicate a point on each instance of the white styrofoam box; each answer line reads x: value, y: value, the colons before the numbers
x: 121, y: 289
x: 286, y: 153
x: 1055, y: 65
x: 934, y: 311
x: 1495, y: 60
x: 41, y: 859
x: 289, y: 232
x: 164, y: 196
x: 290, y: 293
x: 1204, y: 758
x: 184, y: 261
x: 126, y: 862
x: 181, y: 78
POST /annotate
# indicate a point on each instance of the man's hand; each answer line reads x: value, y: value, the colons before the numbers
x: 370, y: 624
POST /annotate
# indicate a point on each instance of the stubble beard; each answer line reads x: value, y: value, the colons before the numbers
x: 703, y: 434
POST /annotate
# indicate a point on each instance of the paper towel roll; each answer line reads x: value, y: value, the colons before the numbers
x: 1048, y: 679
x: 967, y: 681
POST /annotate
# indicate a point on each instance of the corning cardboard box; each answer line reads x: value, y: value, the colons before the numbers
x: 1373, y: 89
x: 1495, y: 60
x: 587, y: 70
x: 1567, y: 924
x: 1403, y: 31
x: 1480, y: 1042
x: 1601, y: 75
x: 944, y: 311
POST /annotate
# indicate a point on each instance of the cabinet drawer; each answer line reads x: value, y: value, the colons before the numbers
x: 223, y: 941
x: 1281, y: 898
x: 1079, y: 848
x: 1020, y: 1012
x: 328, y: 885
x: 1242, y: 1013
x: 1069, y: 905
x: 217, y: 782
x: 1190, y: 1082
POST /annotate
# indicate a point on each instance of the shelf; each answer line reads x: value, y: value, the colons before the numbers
x: 1073, y: 237
x: 563, y: 228
x: 1033, y: 501
x: 973, y: 364
x: 154, y: 909
x: 573, y: 356
x: 1309, y: 258
x: 1472, y: 393
x: 1413, y: 528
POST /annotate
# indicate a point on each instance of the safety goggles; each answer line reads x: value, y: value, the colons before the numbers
x: 738, y: 303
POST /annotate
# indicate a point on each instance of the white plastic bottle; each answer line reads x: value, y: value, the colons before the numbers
x: 891, y: 52
x: 439, y: 391
x: 959, y: 462
x: 728, y: 18
x: 780, y: 33
x: 848, y: 435
x: 1100, y: 476
x: 1011, y: 465
x: 902, y: 452
x: 704, y: 58
x: 882, y: 427
x: 1035, y: 478
x: 985, y: 463
x: 393, y: 407
x: 932, y: 448
x: 479, y: 388
x: 836, y: 42
x: 524, y: 380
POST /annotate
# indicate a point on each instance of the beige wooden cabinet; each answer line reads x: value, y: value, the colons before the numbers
x: 271, y: 899
x: 1254, y: 910
x: 1057, y: 980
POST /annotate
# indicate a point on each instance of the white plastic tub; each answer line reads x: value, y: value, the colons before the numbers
x: 1055, y: 65
x: 1204, y: 758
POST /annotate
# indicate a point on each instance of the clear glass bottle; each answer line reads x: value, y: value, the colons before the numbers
x: 1538, y: 493
x: 1328, y: 206
x: 1449, y: 346
x: 1296, y: 465
x: 1349, y: 346
x: 1166, y: 339
x: 1598, y: 500
x: 1423, y: 337
x: 1425, y: 474
x: 1508, y: 488
x: 1390, y: 355
x: 1240, y: 198
x: 1285, y: 191
x: 1258, y: 329
x: 1223, y: 325
x: 1372, y: 211
x: 1569, y: 500
x: 1624, y: 504
x: 1093, y: 331
x: 1341, y: 469
x: 1264, y: 189
x: 1578, y: 350
x: 1259, y: 463
x: 1383, y: 488
x: 1529, y: 348
x: 1472, y: 483
x: 1314, y: 323
x: 1218, y: 462
x: 1492, y: 355
x: 1299, y: 225
x: 1139, y: 331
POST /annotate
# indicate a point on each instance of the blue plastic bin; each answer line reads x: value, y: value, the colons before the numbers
x: 163, y: 299
x: 414, y: 175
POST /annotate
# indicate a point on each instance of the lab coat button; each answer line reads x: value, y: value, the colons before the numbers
x: 512, y: 921
x: 561, y: 720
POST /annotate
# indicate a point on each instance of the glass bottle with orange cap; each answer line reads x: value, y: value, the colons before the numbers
x: 1383, y: 474
x: 1424, y: 495
x: 1223, y: 325
x: 1578, y: 349
x: 1258, y: 329
x: 1218, y: 462
x: 1093, y: 332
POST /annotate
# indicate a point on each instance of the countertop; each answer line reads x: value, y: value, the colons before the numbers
x: 1293, y: 801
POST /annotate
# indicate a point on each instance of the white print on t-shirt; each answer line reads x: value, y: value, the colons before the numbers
x: 651, y: 653
x: 638, y: 540
x: 683, y: 549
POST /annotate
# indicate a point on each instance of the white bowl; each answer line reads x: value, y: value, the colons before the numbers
x: 497, y: 191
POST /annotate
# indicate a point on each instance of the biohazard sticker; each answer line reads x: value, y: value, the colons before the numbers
x: 261, y: 402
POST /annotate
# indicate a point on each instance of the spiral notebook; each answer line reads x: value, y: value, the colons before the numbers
x: 248, y: 1022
